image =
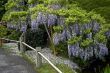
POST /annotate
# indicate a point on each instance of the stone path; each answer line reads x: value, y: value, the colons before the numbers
x: 14, y: 64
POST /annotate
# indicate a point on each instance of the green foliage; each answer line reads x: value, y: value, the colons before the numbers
x: 57, y: 28
x: 39, y: 7
x: 36, y: 9
x: 14, y: 10
x: 31, y: 1
x: 15, y: 15
x: 49, y: 2
x: 6, y: 16
x: 106, y: 26
x: 14, y: 35
x: 18, y: 14
x: 100, y: 38
x: 98, y: 18
x: 10, y: 4
x: 103, y: 31
x: 71, y: 12
x: 61, y: 49
x: 46, y: 68
x: 71, y: 20
x: 74, y: 40
x: 86, y: 43
x: 99, y: 6
x: 62, y: 12
x: 106, y: 69
x: 87, y: 31
x: 3, y: 31
x: 80, y: 62
x: 104, y: 11
x: 90, y: 4
x: 2, y: 8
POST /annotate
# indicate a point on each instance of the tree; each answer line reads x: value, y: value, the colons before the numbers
x: 100, y: 6
x: 2, y: 8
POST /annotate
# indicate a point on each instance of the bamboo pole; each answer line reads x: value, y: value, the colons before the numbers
x: 53, y: 47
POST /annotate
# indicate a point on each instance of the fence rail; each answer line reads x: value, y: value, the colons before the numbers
x: 38, y: 53
x: 9, y: 40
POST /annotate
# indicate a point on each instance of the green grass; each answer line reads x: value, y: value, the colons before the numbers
x: 46, y: 68
x: 107, y: 69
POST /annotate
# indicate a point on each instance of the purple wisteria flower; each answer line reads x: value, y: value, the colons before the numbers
x: 103, y: 50
x: 108, y: 34
x: 89, y: 35
x: 51, y: 19
x: 96, y: 27
x: 23, y: 28
x: 34, y: 25
x: 39, y: 18
x: 76, y: 28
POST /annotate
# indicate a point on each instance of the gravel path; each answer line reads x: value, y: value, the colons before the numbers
x: 14, y: 64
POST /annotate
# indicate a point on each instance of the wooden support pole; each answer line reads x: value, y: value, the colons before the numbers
x: 39, y: 57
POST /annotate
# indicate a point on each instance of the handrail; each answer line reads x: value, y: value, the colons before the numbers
x: 10, y: 40
x: 37, y: 52
x: 29, y: 46
x: 44, y: 58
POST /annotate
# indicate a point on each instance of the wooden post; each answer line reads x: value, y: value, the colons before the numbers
x: 22, y: 39
x: 18, y: 46
x: 39, y: 58
x: 21, y: 45
x: 0, y: 42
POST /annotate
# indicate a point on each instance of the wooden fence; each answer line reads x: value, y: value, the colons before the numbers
x: 3, y: 40
x: 39, y: 55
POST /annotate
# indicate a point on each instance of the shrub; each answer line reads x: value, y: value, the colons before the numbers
x: 3, y: 31
x: 61, y: 49
x: 14, y: 35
